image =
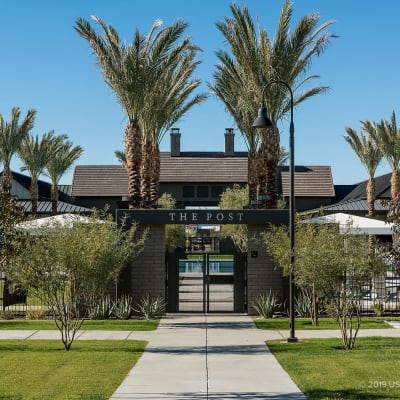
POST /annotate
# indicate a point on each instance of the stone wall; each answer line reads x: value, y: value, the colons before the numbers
x: 261, y: 272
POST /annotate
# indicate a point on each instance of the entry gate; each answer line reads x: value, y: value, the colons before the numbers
x: 206, y: 282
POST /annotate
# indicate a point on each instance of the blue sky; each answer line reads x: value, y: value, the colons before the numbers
x: 46, y: 66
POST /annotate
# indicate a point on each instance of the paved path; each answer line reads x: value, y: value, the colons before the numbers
x: 208, y: 357
x: 204, y: 357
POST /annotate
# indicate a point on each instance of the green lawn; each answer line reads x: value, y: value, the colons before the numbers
x: 107, y: 325
x: 324, y: 323
x: 324, y: 371
x: 91, y: 370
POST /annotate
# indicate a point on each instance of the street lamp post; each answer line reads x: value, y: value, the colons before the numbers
x: 263, y: 121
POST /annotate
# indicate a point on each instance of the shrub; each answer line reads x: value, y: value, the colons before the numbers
x: 7, y: 314
x: 266, y: 304
x: 101, y: 308
x: 378, y: 309
x: 150, y: 307
x: 39, y: 313
x: 303, y: 305
x: 123, y: 307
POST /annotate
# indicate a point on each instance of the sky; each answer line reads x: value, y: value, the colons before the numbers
x: 45, y: 65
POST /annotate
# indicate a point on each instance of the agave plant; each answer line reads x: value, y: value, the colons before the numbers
x: 150, y: 307
x: 123, y: 307
x: 266, y: 303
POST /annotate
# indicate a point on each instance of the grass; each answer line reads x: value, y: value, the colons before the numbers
x: 106, y: 325
x: 324, y: 323
x: 324, y: 371
x: 91, y: 370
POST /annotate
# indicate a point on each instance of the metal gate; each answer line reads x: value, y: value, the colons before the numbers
x: 206, y: 282
x: 10, y: 297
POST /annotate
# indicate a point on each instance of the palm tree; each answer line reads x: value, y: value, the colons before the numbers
x: 135, y: 72
x: 11, y: 136
x: 169, y: 104
x: 387, y: 137
x: 61, y: 161
x: 257, y: 60
x: 35, y: 154
x: 369, y: 154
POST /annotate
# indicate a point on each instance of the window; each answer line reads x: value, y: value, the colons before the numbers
x: 188, y: 191
x: 203, y: 192
x: 216, y: 191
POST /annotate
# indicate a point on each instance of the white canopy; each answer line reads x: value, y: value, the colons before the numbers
x: 356, y: 225
x: 48, y: 222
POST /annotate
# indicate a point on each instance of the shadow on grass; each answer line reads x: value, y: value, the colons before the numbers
x: 348, y: 394
x: 54, y: 346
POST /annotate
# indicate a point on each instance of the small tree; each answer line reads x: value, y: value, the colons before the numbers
x: 66, y: 267
x: 235, y: 198
x: 10, y: 215
x: 174, y: 234
x: 332, y: 265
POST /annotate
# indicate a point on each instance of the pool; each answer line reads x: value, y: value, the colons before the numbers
x: 223, y: 266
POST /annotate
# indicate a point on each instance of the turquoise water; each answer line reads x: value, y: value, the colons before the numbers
x: 224, y: 266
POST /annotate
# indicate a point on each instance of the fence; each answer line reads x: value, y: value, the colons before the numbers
x: 383, y: 290
x: 12, y: 299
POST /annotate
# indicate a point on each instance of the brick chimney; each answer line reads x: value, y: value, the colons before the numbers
x: 229, y: 142
x: 175, y: 142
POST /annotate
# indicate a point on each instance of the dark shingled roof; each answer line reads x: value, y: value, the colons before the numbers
x: 112, y: 180
x: 382, y: 189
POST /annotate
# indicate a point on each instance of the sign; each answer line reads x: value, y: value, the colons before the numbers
x: 201, y: 216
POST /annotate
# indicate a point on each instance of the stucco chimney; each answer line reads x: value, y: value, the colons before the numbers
x: 229, y: 142
x: 175, y: 142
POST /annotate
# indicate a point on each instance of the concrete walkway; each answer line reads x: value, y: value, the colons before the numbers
x: 204, y: 357
x: 208, y: 357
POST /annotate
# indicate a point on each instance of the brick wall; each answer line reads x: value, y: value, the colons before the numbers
x: 147, y: 273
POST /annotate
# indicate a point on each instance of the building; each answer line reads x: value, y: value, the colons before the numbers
x: 198, y: 179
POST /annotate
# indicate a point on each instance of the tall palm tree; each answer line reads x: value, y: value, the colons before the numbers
x: 35, y: 154
x: 170, y: 101
x: 64, y: 156
x: 256, y: 60
x: 369, y: 154
x: 387, y: 137
x: 12, y: 134
x: 134, y: 72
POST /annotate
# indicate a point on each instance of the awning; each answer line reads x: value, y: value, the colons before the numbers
x: 355, y: 224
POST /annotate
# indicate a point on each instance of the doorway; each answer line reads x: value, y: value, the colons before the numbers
x: 206, y: 282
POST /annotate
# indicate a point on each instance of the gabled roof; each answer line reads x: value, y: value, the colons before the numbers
x: 112, y: 180
x: 315, y: 181
x: 44, y: 187
x: 382, y: 189
x: 357, y: 206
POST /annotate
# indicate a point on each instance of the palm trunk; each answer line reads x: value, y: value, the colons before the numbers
x: 133, y: 151
x: 34, y: 196
x: 395, y: 184
x: 155, y: 177
x: 7, y: 179
x: 146, y: 172
x: 252, y: 176
x: 262, y: 168
x: 54, y: 199
x: 371, y: 196
x: 271, y: 154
